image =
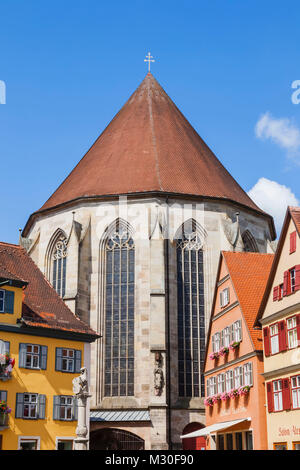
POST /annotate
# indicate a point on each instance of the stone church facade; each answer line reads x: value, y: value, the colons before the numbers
x: 131, y: 241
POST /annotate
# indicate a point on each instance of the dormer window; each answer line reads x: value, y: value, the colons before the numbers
x: 6, y: 301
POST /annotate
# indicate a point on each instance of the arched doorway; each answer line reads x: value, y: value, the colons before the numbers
x: 193, y: 443
x: 115, y: 439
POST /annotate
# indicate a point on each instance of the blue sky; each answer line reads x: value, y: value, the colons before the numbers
x: 69, y: 66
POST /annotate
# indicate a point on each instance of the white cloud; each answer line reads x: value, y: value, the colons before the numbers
x: 273, y: 198
x: 281, y: 131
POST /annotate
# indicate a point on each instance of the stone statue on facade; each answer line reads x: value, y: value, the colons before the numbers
x: 81, y: 392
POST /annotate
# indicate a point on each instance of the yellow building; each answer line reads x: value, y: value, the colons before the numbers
x: 43, y: 345
x: 279, y: 316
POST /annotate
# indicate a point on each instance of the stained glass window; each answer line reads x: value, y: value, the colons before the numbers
x: 191, y: 319
x: 119, y: 315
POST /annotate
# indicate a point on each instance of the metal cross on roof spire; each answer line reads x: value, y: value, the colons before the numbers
x: 149, y: 59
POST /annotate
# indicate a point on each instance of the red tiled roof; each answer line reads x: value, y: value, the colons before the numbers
x: 149, y: 146
x: 249, y: 273
x: 42, y: 306
x: 295, y: 214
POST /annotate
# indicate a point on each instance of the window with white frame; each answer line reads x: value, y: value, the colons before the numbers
x: 295, y: 383
x: 238, y: 377
x: 68, y: 360
x: 292, y: 332
x: 66, y: 407
x: 221, y: 383
x: 248, y: 376
x: 64, y: 444
x: 32, y: 356
x: 237, y: 330
x: 293, y: 278
x: 211, y: 386
x: 224, y: 297
x: 217, y: 342
x: 2, y: 300
x: 274, y: 339
x: 29, y: 444
x: 226, y: 337
x: 229, y: 380
x: 277, y: 394
x: 30, y: 406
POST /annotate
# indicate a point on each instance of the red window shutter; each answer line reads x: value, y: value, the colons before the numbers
x: 282, y: 336
x: 292, y: 242
x: 286, y: 395
x: 297, y: 277
x: 266, y: 332
x: 275, y: 293
x: 270, y: 397
x: 285, y: 282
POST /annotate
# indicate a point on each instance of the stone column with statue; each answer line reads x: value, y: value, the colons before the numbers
x: 81, y: 392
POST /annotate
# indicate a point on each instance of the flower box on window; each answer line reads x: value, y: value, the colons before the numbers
x: 216, y: 398
x: 244, y: 390
x: 234, y: 393
x: 213, y: 356
x: 6, y: 366
x: 208, y: 401
x: 234, y: 345
x: 4, y: 412
x: 223, y: 351
x: 225, y: 396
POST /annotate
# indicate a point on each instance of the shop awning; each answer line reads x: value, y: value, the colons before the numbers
x: 214, y: 428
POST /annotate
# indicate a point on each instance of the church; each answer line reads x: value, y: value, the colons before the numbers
x: 131, y: 241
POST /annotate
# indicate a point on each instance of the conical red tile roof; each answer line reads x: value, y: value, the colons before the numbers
x: 149, y: 146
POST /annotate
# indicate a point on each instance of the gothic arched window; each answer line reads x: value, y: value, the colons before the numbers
x: 59, y: 264
x: 119, y: 313
x: 191, y: 317
x: 249, y: 242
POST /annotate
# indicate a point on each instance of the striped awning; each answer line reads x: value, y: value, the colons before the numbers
x: 116, y: 415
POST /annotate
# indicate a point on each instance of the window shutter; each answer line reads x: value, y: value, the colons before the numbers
x: 221, y: 299
x: 250, y: 373
x: 282, y: 336
x: 77, y: 361
x: 231, y: 332
x: 270, y: 397
x: 22, y: 355
x: 275, y: 293
x: 266, y: 333
x: 240, y: 329
x: 297, y: 277
x: 9, y: 301
x: 3, y: 395
x: 222, y: 338
x: 286, y: 396
x: 285, y: 283
x: 75, y: 409
x: 41, y: 406
x: 298, y: 328
x: 58, y: 359
x: 56, y: 407
x: 213, y: 341
x: 19, y: 405
x: 292, y: 242
x: 43, y: 357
